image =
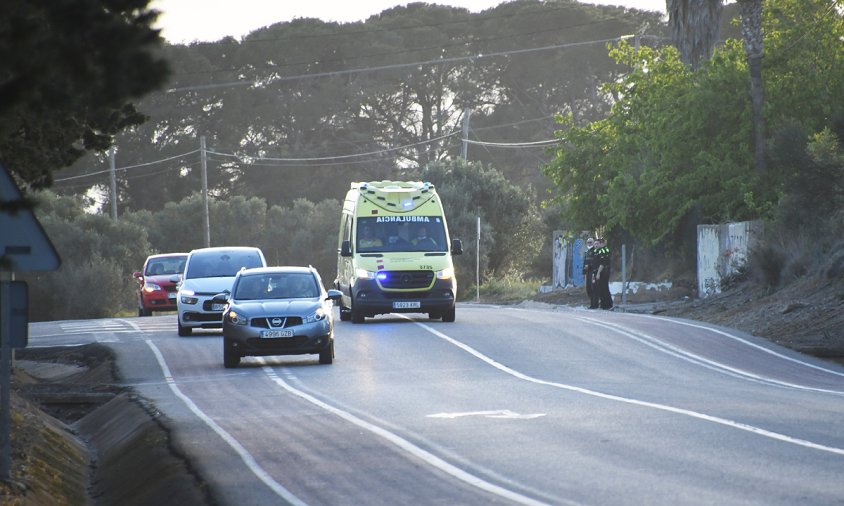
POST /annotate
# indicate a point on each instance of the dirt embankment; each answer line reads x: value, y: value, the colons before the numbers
x: 806, y: 316
x: 77, y: 438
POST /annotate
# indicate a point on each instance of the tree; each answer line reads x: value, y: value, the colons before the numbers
x: 69, y: 70
x: 694, y: 26
x: 676, y: 144
x: 352, y: 102
x: 751, y: 29
x: 510, y: 221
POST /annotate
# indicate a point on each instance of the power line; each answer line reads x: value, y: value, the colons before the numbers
x: 438, y: 61
x: 338, y: 157
x: 548, y: 142
x: 127, y: 167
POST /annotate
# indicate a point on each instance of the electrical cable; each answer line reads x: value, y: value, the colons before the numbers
x: 439, y: 61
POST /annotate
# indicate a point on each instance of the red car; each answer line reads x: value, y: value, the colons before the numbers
x: 157, y: 282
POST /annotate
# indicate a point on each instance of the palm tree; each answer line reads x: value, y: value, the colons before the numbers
x: 694, y: 28
x: 751, y: 30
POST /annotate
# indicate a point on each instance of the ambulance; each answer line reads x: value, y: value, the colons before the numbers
x: 395, y: 255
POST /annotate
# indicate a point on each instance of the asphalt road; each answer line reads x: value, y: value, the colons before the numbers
x: 506, y: 405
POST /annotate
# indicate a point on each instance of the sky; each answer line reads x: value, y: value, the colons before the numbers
x: 185, y: 21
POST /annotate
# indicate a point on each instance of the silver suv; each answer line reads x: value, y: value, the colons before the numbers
x: 208, y: 272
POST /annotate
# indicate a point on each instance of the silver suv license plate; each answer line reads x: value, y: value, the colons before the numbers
x: 407, y: 305
x: 276, y: 333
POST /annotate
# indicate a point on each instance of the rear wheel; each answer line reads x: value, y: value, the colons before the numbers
x: 345, y: 314
x: 356, y: 314
x: 184, y: 331
x: 449, y: 315
x: 326, y: 356
x: 144, y: 312
x: 231, y: 358
x: 434, y: 316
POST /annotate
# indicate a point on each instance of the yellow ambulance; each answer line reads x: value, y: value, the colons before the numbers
x: 395, y: 252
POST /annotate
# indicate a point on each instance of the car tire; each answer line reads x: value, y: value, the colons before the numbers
x: 357, y: 315
x: 184, y: 331
x: 326, y: 356
x: 345, y: 314
x: 449, y: 315
x: 144, y: 312
x: 231, y: 358
x: 435, y: 316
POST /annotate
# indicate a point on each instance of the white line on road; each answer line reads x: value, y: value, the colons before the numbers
x: 404, y: 444
x: 682, y: 354
x: 744, y: 341
x: 497, y: 413
x: 247, y: 457
x: 662, y: 407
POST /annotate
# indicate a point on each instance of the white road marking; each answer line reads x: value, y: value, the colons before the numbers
x: 705, y: 327
x: 247, y: 457
x: 404, y: 444
x: 744, y: 341
x: 662, y: 407
x: 498, y: 413
x: 682, y: 354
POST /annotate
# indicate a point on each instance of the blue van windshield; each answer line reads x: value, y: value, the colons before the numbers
x: 378, y: 234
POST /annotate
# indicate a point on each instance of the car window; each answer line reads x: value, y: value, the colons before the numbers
x: 291, y: 285
x: 165, y: 266
x: 214, y: 264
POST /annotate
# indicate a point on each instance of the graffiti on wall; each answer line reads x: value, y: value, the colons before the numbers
x: 722, y: 251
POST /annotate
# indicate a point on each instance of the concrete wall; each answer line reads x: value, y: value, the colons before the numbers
x: 567, y: 267
x: 721, y: 251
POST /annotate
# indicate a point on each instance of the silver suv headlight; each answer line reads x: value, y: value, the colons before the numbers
x: 236, y: 319
x: 316, y: 316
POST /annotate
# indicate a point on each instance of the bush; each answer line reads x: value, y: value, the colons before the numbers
x: 507, y: 287
x: 81, y: 288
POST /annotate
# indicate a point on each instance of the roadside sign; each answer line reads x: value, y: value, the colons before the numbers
x: 18, y: 294
x: 24, y: 246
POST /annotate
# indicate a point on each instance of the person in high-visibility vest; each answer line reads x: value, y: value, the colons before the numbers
x: 601, y: 287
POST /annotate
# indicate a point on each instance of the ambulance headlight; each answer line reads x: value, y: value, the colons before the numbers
x: 446, y: 273
x: 364, y: 274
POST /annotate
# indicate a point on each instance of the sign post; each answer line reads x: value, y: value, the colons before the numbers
x: 24, y: 247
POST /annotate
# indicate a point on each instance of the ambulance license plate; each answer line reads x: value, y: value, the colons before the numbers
x: 407, y: 305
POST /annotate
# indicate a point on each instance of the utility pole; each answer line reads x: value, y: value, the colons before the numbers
x: 205, y: 190
x: 478, y: 263
x: 467, y: 113
x: 113, y: 184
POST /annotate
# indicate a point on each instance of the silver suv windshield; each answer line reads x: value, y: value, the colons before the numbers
x: 290, y: 285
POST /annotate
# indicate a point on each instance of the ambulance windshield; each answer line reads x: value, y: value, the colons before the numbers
x: 380, y: 234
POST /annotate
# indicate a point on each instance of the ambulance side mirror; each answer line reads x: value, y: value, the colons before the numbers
x: 456, y: 247
x: 346, y: 249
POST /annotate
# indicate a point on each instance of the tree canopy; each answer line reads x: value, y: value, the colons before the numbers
x: 679, y: 141
x: 69, y: 71
x: 298, y: 109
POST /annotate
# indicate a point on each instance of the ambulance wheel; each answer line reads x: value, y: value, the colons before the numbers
x: 345, y: 314
x: 356, y: 314
x: 449, y: 315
